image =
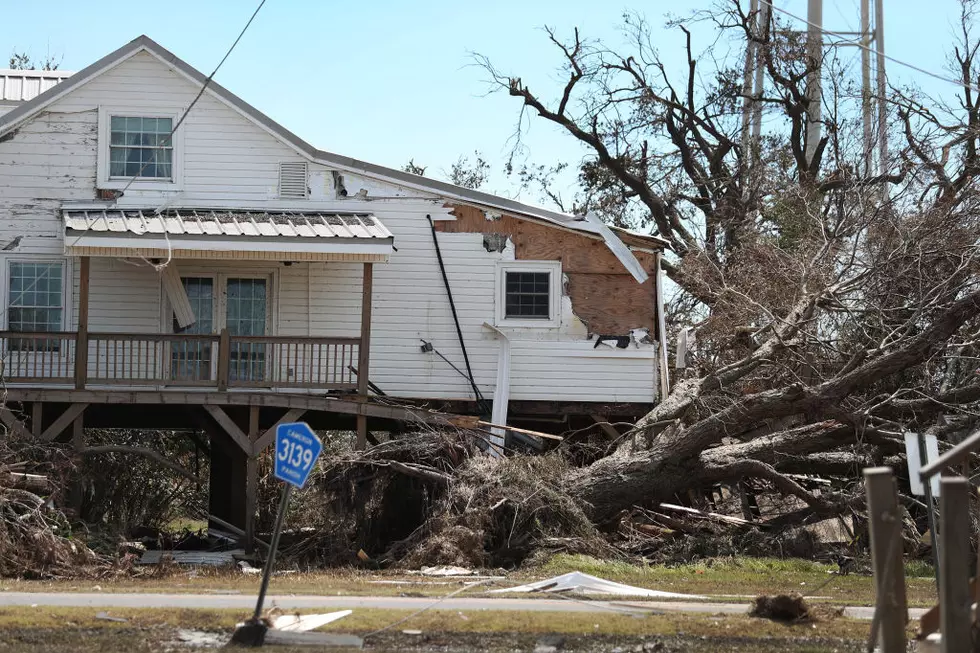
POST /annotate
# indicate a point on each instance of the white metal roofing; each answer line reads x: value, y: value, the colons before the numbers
x: 197, y: 222
x: 23, y: 85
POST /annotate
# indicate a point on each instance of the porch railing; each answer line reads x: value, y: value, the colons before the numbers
x: 220, y: 360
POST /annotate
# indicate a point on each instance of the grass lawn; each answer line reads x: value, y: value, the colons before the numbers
x: 30, y: 630
x: 729, y: 579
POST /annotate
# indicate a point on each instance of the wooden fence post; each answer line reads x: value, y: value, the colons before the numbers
x: 887, y: 557
x: 954, y: 586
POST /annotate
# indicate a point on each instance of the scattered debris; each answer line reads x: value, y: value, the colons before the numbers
x: 104, y: 616
x: 207, y: 558
x: 200, y: 638
x: 447, y: 570
x: 287, y: 638
x: 781, y: 607
x: 549, y: 644
x: 411, y: 632
x: 246, y: 568
x: 576, y: 581
x: 708, y: 515
x: 303, y: 623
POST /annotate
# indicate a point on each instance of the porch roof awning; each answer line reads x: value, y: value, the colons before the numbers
x: 226, y: 234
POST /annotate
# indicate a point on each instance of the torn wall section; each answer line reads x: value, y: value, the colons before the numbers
x: 603, y: 293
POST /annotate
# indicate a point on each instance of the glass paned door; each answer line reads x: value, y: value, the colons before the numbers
x: 246, y: 314
x: 191, y: 360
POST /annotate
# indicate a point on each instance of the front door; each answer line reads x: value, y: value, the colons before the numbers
x: 238, y: 303
x: 246, y: 314
x: 190, y: 360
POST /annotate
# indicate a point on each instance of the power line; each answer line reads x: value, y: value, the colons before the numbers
x: 942, y: 78
x: 170, y: 139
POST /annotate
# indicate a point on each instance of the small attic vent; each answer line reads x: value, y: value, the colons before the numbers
x: 293, y: 180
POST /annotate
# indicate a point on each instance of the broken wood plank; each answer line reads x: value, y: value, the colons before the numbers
x: 607, y: 428
x: 31, y: 482
x: 709, y: 515
x: 234, y: 530
x: 537, y: 434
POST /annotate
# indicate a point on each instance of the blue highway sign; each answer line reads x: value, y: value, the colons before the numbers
x: 297, y: 448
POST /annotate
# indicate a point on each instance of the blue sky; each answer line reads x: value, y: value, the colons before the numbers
x: 388, y: 81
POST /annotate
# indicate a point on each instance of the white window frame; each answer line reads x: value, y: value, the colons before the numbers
x: 552, y: 267
x: 68, y: 321
x: 118, y: 183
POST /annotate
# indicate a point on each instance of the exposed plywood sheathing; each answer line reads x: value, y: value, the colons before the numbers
x: 604, y: 294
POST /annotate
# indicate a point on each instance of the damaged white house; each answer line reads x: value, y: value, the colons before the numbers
x: 233, y: 276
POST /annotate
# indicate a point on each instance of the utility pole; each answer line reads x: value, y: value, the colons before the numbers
x: 882, y: 87
x: 748, y: 92
x: 753, y: 81
x: 874, y: 109
x: 814, y: 51
x: 866, y: 95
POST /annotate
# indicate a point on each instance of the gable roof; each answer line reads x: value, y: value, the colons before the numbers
x: 587, y: 224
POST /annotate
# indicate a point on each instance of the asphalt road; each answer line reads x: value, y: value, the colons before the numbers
x: 305, y: 602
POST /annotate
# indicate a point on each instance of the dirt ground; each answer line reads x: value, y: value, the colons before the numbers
x: 728, y: 579
x: 80, y: 630
x: 162, y: 640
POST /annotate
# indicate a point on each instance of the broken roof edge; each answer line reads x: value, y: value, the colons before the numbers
x: 445, y: 190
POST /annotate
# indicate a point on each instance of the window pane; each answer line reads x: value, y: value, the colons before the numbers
x: 34, y: 299
x: 527, y: 295
x: 140, y: 147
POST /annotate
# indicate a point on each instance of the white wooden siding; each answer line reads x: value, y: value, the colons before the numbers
x: 230, y: 162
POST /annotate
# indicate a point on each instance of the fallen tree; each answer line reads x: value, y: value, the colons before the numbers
x: 835, y: 301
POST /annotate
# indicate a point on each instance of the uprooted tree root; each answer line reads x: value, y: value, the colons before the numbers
x: 500, y: 512
x: 427, y: 498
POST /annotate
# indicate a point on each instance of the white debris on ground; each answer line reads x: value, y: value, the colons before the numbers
x: 206, y: 558
x: 581, y: 583
x: 447, y: 570
x: 201, y: 638
x: 303, y: 623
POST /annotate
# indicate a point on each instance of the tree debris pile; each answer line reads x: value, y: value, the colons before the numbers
x: 500, y: 512
x: 35, y: 537
x: 431, y: 498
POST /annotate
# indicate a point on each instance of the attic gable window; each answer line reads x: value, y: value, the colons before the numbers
x: 140, y: 147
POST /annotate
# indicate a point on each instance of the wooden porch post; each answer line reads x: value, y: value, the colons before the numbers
x: 81, y: 342
x: 364, y: 351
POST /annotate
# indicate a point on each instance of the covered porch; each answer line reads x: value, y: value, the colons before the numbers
x: 217, y: 275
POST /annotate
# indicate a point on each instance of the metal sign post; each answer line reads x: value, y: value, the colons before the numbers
x: 920, y: 450
x: 297, y: 448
